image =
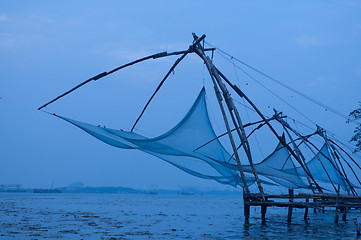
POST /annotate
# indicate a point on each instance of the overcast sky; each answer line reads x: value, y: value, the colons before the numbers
x: 47, y: 47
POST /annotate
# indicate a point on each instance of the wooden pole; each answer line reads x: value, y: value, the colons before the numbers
x: 348, y: 155
x: 103, y: 74
x: 305, y: 141
x: 246, y: 208
x: 339, y: 155
x: 234, y: 148
x: 306, y: 211
x: 314, y: 209
x: 298, y: 152
x: 336, y: 216
x: 290, y: 207
x: 232, y: 110
x: 264, y: 209
x: 241, y: 94
x: 215, y: 78
x: 234, y: 129
x: 190, y: 49
x: 357, y: 227
x: 337, y: 200
x: 344, y: 214
x: 334, y: 155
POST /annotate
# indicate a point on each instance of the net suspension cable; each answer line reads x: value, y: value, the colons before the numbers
x: 222, y: 53
x: 284, y: 85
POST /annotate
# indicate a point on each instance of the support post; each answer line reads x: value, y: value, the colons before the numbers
x: 233, y: 113
x: 314, y: 209
x: 297, y: 150
x: 264, y: 210
x: 246, y: 207
x: 336, y: 216
x: 216, y: 80
x: 337, y: 200
x: 332, y: 149
x: 306, y: 210
x: 219, y: 98
x: 290, y: 207
x: 357, y: 227
x: 241, y: 94
x: 344, y: 214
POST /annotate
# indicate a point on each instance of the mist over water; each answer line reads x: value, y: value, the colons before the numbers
x: 114, y: 216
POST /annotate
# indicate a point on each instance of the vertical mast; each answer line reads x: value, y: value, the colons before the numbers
x: 299, y: 154
x: 322, y: 133
x: 241, y: 94
x: 233, y: 113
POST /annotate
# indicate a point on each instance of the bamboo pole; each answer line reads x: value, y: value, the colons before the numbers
x: 322, y: 133
x: 103, y: 74
x: 246, y: 205
x: 232, y: 130
x: 299, y: 154
x: 337, y: 200
x: 290, y: 207
x: 219, y: 99
x: 353, y: 160
x: 344, y: 214
x: 241, y: 94
x: 306, y: 211
x: 357, y: 227
x: 264, y: 209
x: 348, y: 164
x: 190, y: 49
x: 232, y: 109
x: 305, y: 141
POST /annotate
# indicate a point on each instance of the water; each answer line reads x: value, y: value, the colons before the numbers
x: 113, y: 216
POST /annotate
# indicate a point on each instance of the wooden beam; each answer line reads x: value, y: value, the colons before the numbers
x: 357, y: 227
x: 233, y: 113
x: 232, y: 130
x: 246, y: 206
x: 241, y: 94
x: 306, y: 211
x: 190, y: 49
x: 103, y: 74
x: 234, y: 148
x: 290, y: 207
x: 264, y: 210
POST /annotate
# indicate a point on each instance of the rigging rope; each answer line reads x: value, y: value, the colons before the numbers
x: 284, y: 85
x: 249, y: 119
x: 276, y: 95
x: 222, y: 53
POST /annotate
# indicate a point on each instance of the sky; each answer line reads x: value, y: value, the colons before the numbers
x: 47, y: 47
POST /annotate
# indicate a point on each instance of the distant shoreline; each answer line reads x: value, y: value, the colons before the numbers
x: 123, y: 190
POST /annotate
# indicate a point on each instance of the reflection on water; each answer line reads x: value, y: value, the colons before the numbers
x: 112, y: 216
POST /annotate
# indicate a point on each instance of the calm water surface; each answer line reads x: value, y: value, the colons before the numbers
x: 113, y: 216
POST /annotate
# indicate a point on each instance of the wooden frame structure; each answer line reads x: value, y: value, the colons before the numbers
x: 236, y: 130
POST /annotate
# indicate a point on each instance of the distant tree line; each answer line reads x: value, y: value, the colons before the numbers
x: 356, y: 138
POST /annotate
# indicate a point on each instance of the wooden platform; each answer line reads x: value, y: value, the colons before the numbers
x: 317, y: 201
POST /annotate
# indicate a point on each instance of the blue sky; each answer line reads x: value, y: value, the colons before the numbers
x: 47, y: 47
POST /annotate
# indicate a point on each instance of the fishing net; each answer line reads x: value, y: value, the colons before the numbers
x: 193, y: 147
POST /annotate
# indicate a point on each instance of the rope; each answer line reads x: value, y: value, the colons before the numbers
x: 253, y: 78
x: 249, y: 119
x: 286, y: 86
x: 222, y: 53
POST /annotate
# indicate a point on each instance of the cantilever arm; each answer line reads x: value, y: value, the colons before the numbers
x: 190, y: 49
x: 153, y: 56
